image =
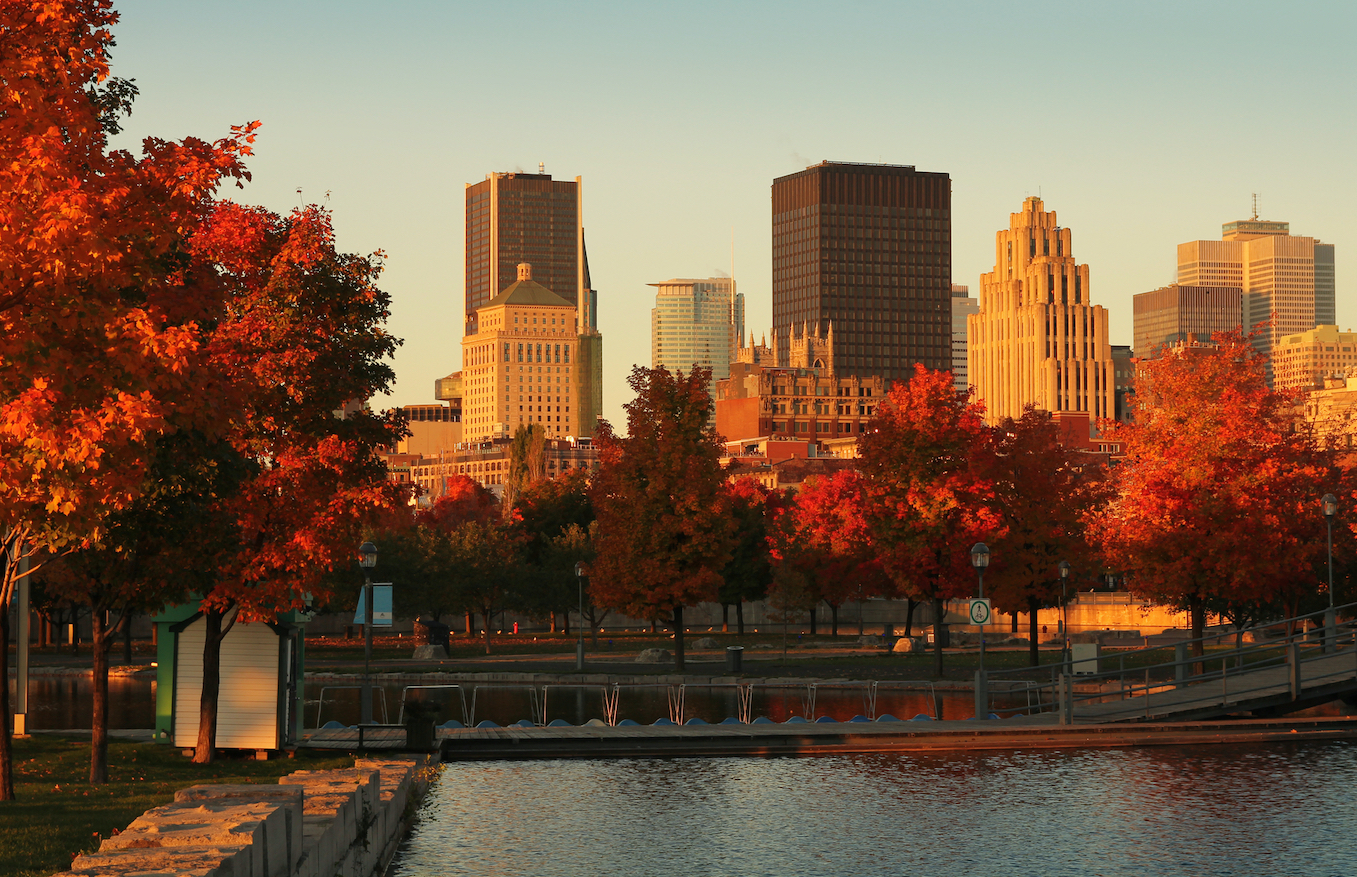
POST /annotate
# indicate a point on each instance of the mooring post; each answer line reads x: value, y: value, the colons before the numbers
x: 1293, y: 658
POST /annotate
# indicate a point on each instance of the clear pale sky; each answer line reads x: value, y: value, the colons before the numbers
x: 1142, y: 124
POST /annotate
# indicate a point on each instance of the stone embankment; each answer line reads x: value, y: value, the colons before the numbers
x: 329, y: 823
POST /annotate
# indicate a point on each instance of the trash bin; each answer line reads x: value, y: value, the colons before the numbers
x: 734, y: 659
x: 431, y: 632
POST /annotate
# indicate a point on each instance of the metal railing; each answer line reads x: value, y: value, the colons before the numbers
x: 1186, y: 684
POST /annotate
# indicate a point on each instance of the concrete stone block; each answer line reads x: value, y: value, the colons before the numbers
x: 259, y: 825
x: 214, y: 860
x: 289, y: 798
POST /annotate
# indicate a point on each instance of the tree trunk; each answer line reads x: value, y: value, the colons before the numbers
x: 44, y: 630
x: 6, y: 741
x: 206, y: 751
x: 553, y: 622
x: 938, y: 628
x: 470, y: 622
x: 102, y: 640
x: 725, y: 618
x: 909, y: 616
x: 678, y: 638
x: 833, y: 620
x: 489, y: 613
x: 813, y: 619
x: 739, y: 617
x: 1033, y: 656
x: 1197, y: 607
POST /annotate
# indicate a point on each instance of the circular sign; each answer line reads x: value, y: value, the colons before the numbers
x: 980, y: 612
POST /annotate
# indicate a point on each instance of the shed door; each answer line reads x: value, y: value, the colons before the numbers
x: 247, y: 705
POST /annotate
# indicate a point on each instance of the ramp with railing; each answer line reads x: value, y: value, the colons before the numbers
x: 1310, y: 660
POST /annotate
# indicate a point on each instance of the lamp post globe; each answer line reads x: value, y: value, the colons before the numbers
x: 980, y: 560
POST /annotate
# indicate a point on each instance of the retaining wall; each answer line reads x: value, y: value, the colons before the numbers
x: 328, y: 823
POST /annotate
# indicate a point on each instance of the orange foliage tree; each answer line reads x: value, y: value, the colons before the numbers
x: 100, y: 308
x: 1043, y: 492
x: 1214, y: 471
x: 300, y: 341
x: 928, y: 501
x: 664, y: 533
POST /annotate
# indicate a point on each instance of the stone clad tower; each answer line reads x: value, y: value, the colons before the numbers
x: 1036, y: 339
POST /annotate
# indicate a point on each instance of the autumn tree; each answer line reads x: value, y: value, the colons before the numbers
x: 101, y: 310
x: 664, y: 532
x: 1042, y: 492
x: 827, y: 537
x: 301, y: 339
x: 527, y: 462
x: 1214, y: 470
x: 749, y: 572
x: 544, y: 513
x: 927, y: 502
x: 483, y: 567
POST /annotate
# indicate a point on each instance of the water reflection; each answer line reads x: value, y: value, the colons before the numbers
x: 1268, y: 809
x: 65, y: 702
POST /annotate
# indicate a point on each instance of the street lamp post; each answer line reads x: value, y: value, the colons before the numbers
x: 980, y: 560
x: 367, y: 559
x: 579, y: 647
x: 1329, y: 504
x: 1064, y: 611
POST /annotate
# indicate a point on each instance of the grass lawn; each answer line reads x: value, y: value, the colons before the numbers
x: 58, y: 814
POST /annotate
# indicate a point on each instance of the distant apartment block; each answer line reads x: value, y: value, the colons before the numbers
x: 696, y: 322
x: 962, y: 307
x: 1173, y: 313
x: 1284, y: 278
x: 1305, y: 360
x: 1036, y: 339
x: 865, y: 250
x: 434, y: 429
x: 1331, y: 412
x: 487, y: 463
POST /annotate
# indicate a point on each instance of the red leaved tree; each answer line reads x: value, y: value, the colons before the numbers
x: 664, y: 533
x: 749, y: 572
x: 928, y: 503
x: 1043, y: 492
x: 1214, y: 471
x: 100, y: 310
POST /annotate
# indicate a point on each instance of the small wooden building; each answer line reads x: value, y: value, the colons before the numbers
x: 260, y: 695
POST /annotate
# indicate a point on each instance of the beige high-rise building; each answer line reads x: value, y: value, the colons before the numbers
x: 1036, y: 339
x: 1306, y: 360
x: 528, y: 363
x: 1286, y: 278
x: 696, y: 322
x: 1175, y: 312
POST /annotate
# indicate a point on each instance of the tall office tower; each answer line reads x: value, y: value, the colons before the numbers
x: 527, y: 364
x: 1172, y: 313
x: 1037, y: 340
x: 1123, y: 381
x: 515, y: 217
x: 865, y: 250
x: 1287, y: 279
x: 962, y: 307
x: 696, y: 321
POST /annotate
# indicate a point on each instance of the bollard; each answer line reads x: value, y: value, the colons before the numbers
x: 734, y: 659
x: 1293, y: 658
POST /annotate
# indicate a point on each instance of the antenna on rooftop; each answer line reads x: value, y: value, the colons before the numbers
x: 1255, y: 206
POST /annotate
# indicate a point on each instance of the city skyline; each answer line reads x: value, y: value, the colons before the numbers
x: 393, y: 126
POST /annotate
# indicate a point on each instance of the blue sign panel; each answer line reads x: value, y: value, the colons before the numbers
x: 381, y: 600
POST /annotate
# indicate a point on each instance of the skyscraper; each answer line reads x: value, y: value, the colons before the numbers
x: 962, y: 307
x: 865, y: 249
x: 513, y: 218
x: 1037, y: 340
x: 696, y: 321
x: 1285, y: 278
x: 1171, y: 314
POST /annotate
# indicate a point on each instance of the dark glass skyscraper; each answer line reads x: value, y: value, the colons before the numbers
x: 866, y: 248
x: 516, y: 217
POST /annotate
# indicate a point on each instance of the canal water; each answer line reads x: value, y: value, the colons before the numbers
x: 1200, y: 810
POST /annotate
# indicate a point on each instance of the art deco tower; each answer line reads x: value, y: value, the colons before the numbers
x: 1037, y: 340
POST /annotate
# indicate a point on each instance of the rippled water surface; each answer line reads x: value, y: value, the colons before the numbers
x: 1224, y: 810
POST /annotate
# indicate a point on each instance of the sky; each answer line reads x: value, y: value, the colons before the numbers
x: 1143, y: 125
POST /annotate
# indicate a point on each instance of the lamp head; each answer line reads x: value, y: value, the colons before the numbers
x: 1329, y: 504
x: 1064, y: 568
x: 980, y: 555
x: 579, y: 569
x: 367, y: 555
